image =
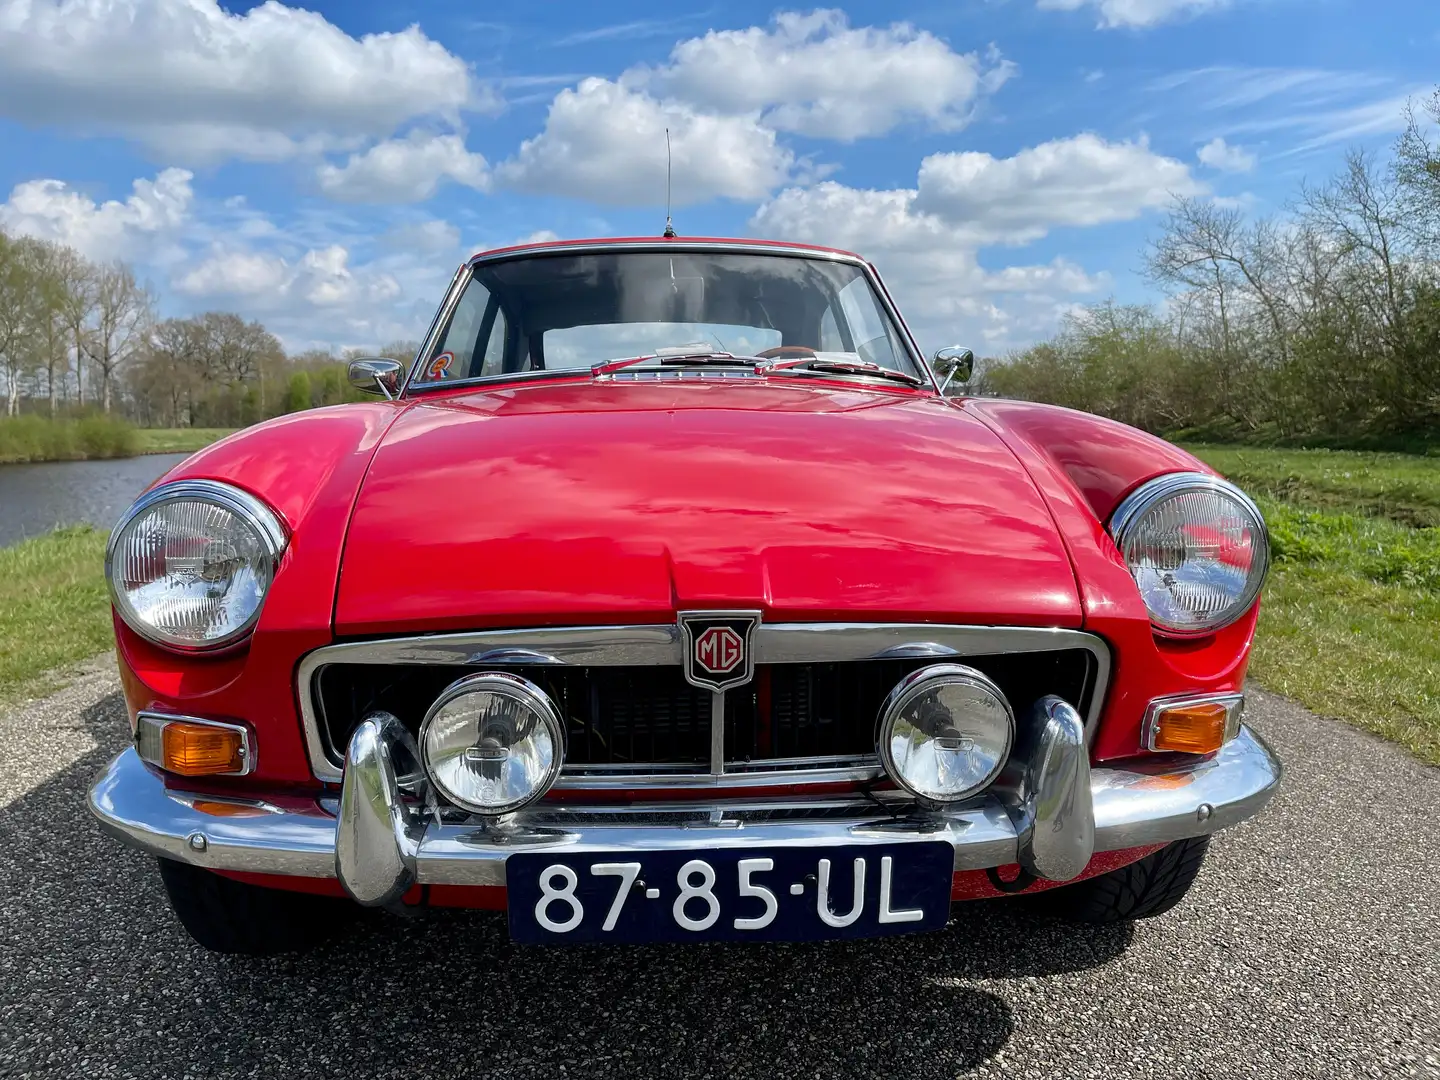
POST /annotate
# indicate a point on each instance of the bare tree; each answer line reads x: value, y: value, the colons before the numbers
x: 123, y: 313
x: 77, y: 305
x: 19, y: 303
x: 1417, y: 173
x: 171, y: 370
x: 1362, y: 212
x: 1210, y: 248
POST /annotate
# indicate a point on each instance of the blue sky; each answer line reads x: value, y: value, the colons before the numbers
x: 325, y: 169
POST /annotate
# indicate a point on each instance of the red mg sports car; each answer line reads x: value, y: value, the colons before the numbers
x: 667, y: 596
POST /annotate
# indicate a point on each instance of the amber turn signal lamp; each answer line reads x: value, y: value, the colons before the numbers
x: 187, y: 746
x: 1194, y: 725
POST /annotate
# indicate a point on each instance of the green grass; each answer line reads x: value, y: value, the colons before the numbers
x: 54, y: 608
x: 179, y: 440
x: 1402, y: 487
x: 1350, y: 624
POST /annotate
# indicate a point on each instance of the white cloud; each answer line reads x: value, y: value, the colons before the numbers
x: 931, y: 266
x: 605, y: 142
x: 1082, y: 180
x: 1136, y: 13
x: 267, y: 282
x: 1218, y: 154
x: 196, y: 83
x: 52, y: 210
x: 928, y: 239
x: 727, y: 95
x: 404, y: 170
x: 815, y: 75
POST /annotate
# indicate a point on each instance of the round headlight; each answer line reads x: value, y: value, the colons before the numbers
x: 190, y: 563
x: 492, y: 742
x: 1197, y: 548
x: 945, y: 732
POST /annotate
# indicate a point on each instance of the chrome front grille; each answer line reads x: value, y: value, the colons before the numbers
x: 808, y: 714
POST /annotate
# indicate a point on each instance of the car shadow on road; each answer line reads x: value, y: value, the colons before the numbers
x: 102, y: 971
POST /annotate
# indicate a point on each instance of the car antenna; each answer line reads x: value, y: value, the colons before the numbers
x: 669, y: 225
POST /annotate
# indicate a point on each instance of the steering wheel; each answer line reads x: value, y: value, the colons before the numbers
x: 786, y: 351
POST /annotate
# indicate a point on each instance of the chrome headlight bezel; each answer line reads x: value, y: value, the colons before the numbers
x: 528, y: 696
x: 263, y: 522
x: 920, y: 682
x: 1133, y: 509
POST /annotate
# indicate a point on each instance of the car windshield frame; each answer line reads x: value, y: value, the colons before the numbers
x: 897, y: 328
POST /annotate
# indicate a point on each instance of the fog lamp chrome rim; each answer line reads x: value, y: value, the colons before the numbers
x: 929, y: 680
x: 527, y: 696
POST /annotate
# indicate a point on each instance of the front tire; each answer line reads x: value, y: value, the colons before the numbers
x: 228, y: 916
x: 1141, y: 890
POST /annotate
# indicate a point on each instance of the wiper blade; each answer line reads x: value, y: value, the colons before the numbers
x: 826, y: 365
x: 695, y: 359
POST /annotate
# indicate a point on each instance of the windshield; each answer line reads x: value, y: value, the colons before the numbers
x: 566, y: 311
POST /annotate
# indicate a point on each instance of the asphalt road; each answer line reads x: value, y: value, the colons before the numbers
x: 1309, y: 947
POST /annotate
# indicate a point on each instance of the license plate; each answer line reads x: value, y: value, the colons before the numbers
x: 730, y: 894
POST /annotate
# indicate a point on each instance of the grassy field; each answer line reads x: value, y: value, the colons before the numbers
x: 1400, y: 487
x: 178, y: 440
x: 54, y: 608
x: 1350, y: 625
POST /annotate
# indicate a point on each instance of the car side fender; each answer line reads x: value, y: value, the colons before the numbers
x: 1083, y: 466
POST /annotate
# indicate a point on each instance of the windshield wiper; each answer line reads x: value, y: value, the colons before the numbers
x: 829, y: 366
x: 695, y: 359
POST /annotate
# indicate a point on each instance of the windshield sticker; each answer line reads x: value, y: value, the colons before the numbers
x: 440, y: 366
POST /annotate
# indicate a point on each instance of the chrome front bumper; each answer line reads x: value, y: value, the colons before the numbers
x: 1050, y: 814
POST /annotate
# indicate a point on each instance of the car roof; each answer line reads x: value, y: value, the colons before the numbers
x: 661, y: 242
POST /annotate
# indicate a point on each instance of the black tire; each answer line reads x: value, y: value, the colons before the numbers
x: 1141, y: 890
x: 228, y: 916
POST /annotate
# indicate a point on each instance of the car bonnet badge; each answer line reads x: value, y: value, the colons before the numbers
x: 717, y: 647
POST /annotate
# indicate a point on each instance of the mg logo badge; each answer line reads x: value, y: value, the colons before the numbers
x: 717, y: 647
x: 719, y: 650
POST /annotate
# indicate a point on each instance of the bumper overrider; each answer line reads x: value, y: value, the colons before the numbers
x: 1050, y: 812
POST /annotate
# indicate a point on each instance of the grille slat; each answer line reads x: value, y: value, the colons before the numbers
x: 631, y: 717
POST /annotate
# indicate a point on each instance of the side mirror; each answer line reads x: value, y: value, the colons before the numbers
x: 956, y: 364
x: 377, y: 375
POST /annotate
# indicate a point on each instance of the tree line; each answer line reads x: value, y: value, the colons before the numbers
x: 1320, y: 323
x: 78, y: 335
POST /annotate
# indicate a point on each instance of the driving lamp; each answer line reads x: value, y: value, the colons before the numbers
x: 1197, y: 548
x: 492, y: 742
x: 190, y: 563
x: 945, y: 732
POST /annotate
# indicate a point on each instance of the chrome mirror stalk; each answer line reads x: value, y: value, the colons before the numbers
x: 377, y: 375
x: 954, y: 362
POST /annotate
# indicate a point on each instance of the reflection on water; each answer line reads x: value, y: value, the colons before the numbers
x: 36, y: 498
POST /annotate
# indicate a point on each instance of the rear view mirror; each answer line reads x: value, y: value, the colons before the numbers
x: 954, y: 364
x: 376, y: 375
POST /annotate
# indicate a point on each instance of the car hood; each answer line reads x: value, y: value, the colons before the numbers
x: 578, y: 502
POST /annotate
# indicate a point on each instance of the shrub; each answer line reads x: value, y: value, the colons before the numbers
x: 38, y: 438
x: 106, y: 437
